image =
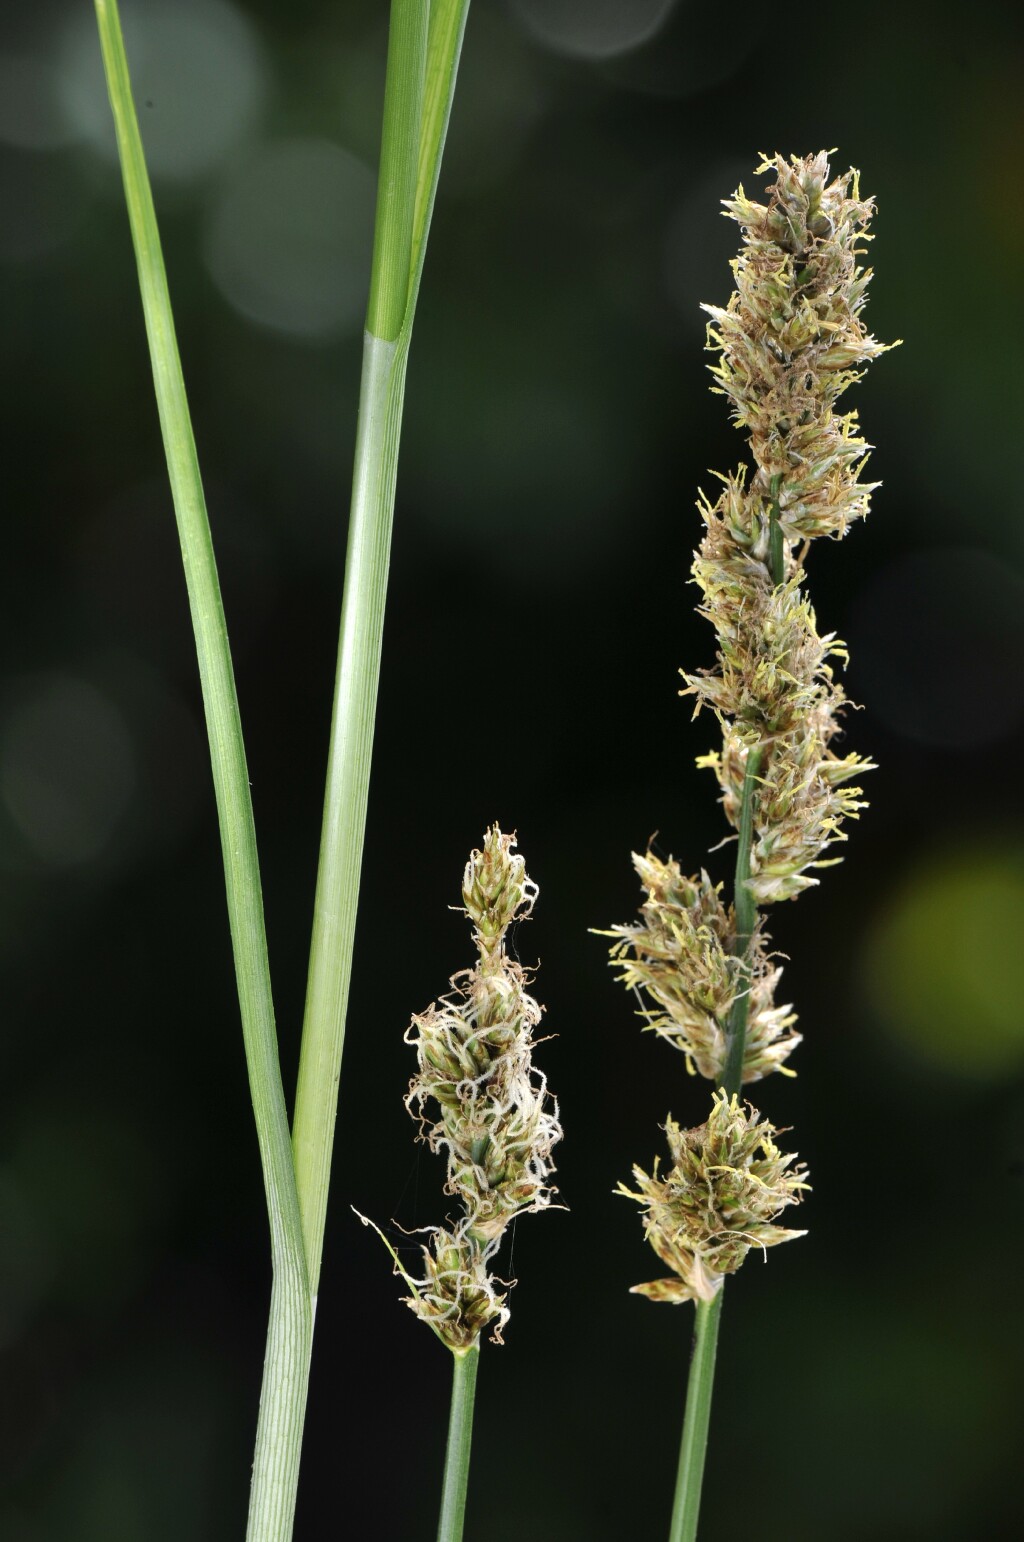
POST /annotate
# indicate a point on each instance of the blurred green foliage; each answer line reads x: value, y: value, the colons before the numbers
x: 558, y: 424
x: 945, y: 966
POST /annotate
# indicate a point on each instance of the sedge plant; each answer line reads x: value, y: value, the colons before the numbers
x: 480, y: 1100
x: 788, y: 344
x: 425, y: 40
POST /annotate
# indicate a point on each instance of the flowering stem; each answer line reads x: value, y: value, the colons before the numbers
x: 689, y: 1478
x: 782, y: 366
x: 746, y: 921
x: 460, y: 1437
x: 686, y: 1508
x: 776, y: 551
x: 475, y: 1071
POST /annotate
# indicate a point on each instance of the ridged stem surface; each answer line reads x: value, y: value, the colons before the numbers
x: 692, y: 1451
x: 460, y: 1436
x: 282, y: 1400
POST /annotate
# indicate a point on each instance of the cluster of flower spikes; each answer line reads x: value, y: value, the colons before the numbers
x: 482, y: 1103
x: 790, y: 342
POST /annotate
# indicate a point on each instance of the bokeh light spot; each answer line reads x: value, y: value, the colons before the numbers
x: 199, y: 78
x: 67, y: 768
x: 944, y: 965
x: 289, y: 239
x: 592, y: 29
x: 500, y: 102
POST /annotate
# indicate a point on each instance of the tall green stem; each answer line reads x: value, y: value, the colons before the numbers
x: 422, y: 65
x: 460, y: 1436
x: 348, y: 777
x: 282, y: 1401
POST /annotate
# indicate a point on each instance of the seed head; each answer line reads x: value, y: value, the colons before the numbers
x: 788, y: 344
x: 480, y: 1101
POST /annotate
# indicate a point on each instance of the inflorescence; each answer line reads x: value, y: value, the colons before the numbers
x: 480, y: 1101
x: 789, y: 343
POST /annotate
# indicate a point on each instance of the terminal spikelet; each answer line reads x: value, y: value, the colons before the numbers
x: 791, y: 341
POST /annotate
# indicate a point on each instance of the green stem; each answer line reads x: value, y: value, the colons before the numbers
x: 776, y: 548
x: 460, y: 1438
x: 700, y: 1386
x: 746, y: 921
x: 348, y: 777
x: 397, y: 176
x: 282, y: 1400
x: 686, y: 1507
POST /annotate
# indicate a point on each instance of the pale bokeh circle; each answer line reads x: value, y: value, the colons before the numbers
x: 289, y: 238
x: 199, y: 79
x: 592, y: 29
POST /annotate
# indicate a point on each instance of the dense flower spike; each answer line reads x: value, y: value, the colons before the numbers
x: 727, y: 1183
x: 682, y: 952
x: 479, y: 1099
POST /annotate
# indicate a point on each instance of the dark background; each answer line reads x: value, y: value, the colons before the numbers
x: 558, y: 423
